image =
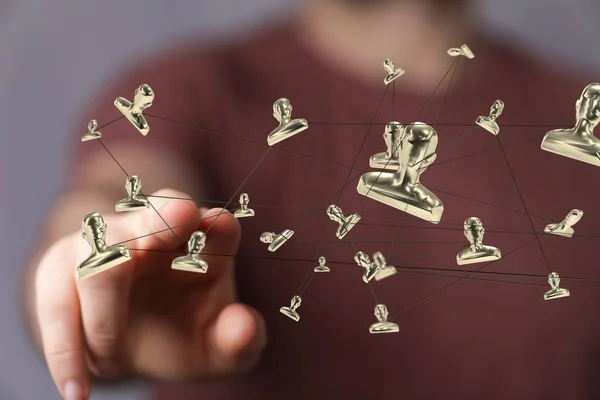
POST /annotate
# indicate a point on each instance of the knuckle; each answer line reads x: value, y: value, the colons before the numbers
x: 102, y: 339
x: 60, y: 352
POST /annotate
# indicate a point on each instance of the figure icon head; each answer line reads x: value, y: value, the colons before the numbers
x: 92, y: 126
x: 144, y: 96
x: 197, y: 242
x: 267, y: 237
x: 93, y: 228
x: 381, y: 313
x: 296, y: 302
x: 133, y: 185
x: 474, y: 230
x: 388, y: 65
x: 362, y: 259
x: 588, y: 105
x: 554, y: 280
x: 335, y: 213
x: 496, y: 109
x: 379, y: 259
x: 244, y: 200
x: 282, y: 110
x: 322, y: 261
x: 573, y: 217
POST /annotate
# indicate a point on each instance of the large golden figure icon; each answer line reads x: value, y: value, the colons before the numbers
x: 489, y: 123
x: 555, y: 292
x: 92, y: 133
x: 192, y: 262
x: 464, y: 50
x: 132, y: 110
x: 291, y: 311
x: 477, y: 252
x: 132, y: 202
x: 275, y: 240
x: 383, y: 325
x: 345, y: 223
x: 392, y: 72
x: 403, y: 189
x: 565, y: 228
x: 103, y: 256
x: 579, y: 142
x: 393, y: 138
x: 288, y: 127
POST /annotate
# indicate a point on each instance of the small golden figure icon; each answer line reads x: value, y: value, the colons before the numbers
x: 192, y: 262
x: 345, y: 223
x: 276, y: 240
x: 579, y: 142
x: 565, y: 228
x: 103, y: 257
x: 556, y: 292
x: 288, y: 127
x: 464, y: 50
x: 477, y: 252
x: 133, y: 186
x: 321, y: 267
x: 383, y: 270
x: 403, y: 189
x: 383, y: 325
x: 393, y: 73
x: 142, y: 99
x: 393, y: 138
x: 489, y: 123
x: 369, y: 268
x: 92, y: 133
x: 244, y: 211
x: 290, y: 311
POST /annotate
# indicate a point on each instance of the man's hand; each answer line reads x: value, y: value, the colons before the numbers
x: 142, y: 317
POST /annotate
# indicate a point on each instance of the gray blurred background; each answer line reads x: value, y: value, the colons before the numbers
x: 55, y: 55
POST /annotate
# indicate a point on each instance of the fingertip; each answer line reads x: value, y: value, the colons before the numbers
x: 223, y: 226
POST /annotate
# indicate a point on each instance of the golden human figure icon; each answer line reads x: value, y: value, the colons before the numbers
x: 132, y: 110
x: 489, y: 123
x: 103, y: 256
x: 291, y: 311
x: 392, y: 136
x: 403, y: 189
x: 565, y: 228
x: 369, y: 268
x: 276, y: 240
x: 383, y: 269
x: 288, y: 127
x: 392, y: 72
x: 383, y: 325
x: 555, y: 292
x: 345, y: 223
x: 133, y: 186
x: 244, y: 211
x: 92, y: 133
x: 579, y: 142
x: 464, y: 50
x: 477, y: 252
x: 322, y: 267
x: 192, y: 262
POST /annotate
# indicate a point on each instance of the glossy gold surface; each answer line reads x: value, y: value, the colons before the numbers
x: 192, y: 262
x: 555, y: 292
x: 464, y: 51
x: 92, y: 133
x: 392, y: 137
x: 345, y: 224
x: 276, y: 240
x: 383, y: 325
x: 369, y: 267
x: 322, y: 267
x: 383, y: 269
x: 103, y: 256
x: 403, y: 189
x: 132, y: 110
x: 244, y: 211
x: 393, y: 73
x: 291, y: 311
x: 133, y: 186
x: 477, y: 252
x: 489, y: 123
x: 288, y: 127
x: 579, y: 142
x: 565, y: 228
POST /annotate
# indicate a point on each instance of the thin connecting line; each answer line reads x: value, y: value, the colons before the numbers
x: 344, y: 185
x: 554, y: 126
x: 524, y: 205
x: 464, y: 135
x: 456, y: 281
x: 473, y: 278
x: 111, y: 122
x: 151, y: 205
x: 238, y: 189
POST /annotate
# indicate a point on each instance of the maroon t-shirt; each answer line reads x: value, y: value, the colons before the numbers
x: 477, y: 339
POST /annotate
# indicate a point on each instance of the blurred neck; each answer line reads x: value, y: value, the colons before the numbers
x: 415, y: 34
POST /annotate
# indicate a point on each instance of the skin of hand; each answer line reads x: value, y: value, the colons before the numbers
x: 142, y: 317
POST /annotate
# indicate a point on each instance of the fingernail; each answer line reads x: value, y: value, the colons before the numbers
x: 73, y: 390
x: 107, y: 368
